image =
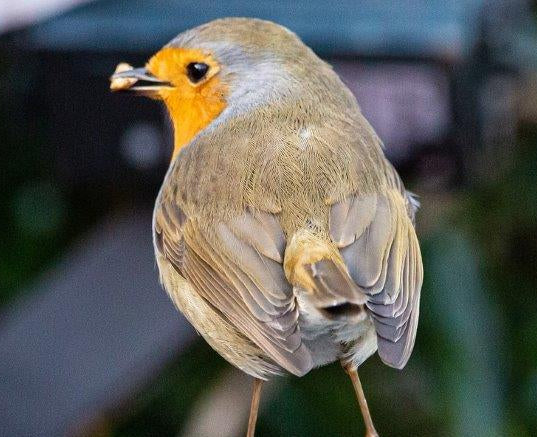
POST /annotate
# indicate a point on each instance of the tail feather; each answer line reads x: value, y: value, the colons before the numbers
x: 315, y: 265
x: 335, y: 294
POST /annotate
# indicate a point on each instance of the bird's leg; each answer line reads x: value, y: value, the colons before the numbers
x: 369, y: 427
x: 254, y: 407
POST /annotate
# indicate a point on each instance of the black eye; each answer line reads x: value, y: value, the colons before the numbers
x: 196, y: 71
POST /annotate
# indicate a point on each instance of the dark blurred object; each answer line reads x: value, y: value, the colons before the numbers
x: 437, y: 80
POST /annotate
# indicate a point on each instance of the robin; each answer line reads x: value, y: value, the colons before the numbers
x: 281, y: 231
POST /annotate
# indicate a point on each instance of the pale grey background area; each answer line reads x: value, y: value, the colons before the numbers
x: 95, y: 329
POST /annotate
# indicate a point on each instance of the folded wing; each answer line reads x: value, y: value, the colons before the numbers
x: 378, y: 243
x: 236, y: 266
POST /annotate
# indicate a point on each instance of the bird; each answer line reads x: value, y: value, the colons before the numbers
x: 281, y: 231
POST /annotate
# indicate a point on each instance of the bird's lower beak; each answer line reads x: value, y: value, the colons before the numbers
x: 137, y: 81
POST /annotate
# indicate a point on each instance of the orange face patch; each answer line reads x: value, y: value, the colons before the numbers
x: 192, y: 106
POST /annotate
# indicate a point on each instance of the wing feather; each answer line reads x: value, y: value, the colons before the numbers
x: 236, y: 266
x: 380, y: 249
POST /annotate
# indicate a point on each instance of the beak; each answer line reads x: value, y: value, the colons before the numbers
x: 136, y: 81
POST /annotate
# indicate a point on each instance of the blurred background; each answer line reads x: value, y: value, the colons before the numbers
x: 89, y: 343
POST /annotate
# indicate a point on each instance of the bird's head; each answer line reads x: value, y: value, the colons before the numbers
x: 227, y: 66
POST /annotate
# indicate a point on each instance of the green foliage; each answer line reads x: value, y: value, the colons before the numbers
x: 162, y: 408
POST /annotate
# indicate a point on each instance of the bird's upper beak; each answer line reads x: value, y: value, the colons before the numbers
x: 136, y: 80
